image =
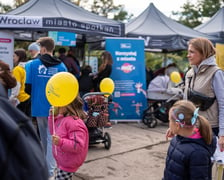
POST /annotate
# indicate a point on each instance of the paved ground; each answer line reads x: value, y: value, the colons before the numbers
x: 137, y: 152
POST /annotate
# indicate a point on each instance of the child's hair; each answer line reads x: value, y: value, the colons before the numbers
x: 86, y: 70
x: 185, y: 113
x: 76, y: 108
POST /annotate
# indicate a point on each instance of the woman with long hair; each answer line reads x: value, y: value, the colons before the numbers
x: 18, y: 96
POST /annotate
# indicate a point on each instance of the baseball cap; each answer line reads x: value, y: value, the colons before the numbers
x: 34, y: 46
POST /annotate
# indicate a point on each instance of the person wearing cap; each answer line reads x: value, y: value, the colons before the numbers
x: 34, y: 50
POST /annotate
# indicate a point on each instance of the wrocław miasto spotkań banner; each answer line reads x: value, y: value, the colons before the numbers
x: 60, y: 23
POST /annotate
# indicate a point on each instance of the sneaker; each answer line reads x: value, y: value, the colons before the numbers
x: 108, y: 125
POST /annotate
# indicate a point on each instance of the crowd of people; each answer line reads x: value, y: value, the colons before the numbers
x: 25, y: 85
x: 196, y: 123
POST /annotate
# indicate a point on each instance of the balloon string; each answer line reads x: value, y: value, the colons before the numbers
x: 55, y: 148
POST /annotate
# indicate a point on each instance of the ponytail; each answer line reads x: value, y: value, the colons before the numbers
x: 205, y: 129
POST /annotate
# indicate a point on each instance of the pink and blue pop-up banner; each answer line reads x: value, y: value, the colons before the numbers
x: 128, y: 74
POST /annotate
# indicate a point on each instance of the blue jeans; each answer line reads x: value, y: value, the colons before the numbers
x: 45, y: 138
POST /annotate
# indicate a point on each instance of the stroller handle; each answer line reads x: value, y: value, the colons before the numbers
x: 96, y: 93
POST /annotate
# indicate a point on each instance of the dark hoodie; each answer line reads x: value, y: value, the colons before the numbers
x: 49, y: 60
x: 189, y: 159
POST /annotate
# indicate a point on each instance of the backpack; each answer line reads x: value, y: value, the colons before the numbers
x: 21, y: 154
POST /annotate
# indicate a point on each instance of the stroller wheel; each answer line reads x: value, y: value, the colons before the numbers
x: 146, y: 117
x: 152, y: 122
x: 107, y: 141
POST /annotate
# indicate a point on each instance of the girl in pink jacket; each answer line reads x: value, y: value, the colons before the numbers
x: 69, y: 137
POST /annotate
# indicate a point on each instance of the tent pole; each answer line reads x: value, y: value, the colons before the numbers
x: 32, y: 32
x: 165, y: 59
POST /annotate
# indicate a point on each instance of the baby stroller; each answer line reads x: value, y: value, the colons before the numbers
x: 97, y: 109
x: 160, y: 99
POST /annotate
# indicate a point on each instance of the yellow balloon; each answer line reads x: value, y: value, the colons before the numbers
x: 107, y: 85
x: 61, y: 89
x: 175, y: 77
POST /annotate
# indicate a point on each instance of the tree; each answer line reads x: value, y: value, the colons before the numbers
x: 193, y: 14
x: 4, y: 8
x: 107, y: 9
x: 122, y: 15
x: 20, y: 2
x: 103, y: 7
x: 16, y: 3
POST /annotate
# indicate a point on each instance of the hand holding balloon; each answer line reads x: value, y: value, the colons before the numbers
x: 56, y: 140
x: 54, y: 111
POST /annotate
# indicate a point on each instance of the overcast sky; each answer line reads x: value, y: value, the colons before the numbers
x: 137, y: 6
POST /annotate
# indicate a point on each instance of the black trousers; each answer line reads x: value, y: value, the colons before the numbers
x: 25, y: 107
x: 215, y: 131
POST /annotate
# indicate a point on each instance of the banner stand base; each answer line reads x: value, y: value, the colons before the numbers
x: 125, y: 120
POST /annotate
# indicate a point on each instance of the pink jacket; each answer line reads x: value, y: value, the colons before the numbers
x: 74, y: 142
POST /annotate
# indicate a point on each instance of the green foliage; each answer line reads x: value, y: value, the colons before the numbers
x: 103, y: 7
x: 122, y: 15
x: 108, y: 9
x: 208, y: 7
x: 189, y: 16
x: 193, y: 14
x: 155, y: 60
x: 4, y: 8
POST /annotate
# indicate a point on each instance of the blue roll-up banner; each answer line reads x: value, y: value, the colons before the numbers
x: 128, y: 74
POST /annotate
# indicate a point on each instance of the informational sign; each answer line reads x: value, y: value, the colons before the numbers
x: 7, y: 47
x: 63, y: 38
x: 128, y: 73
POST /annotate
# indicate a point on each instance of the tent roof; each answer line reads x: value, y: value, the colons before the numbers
x: 62, y: 15
x: 161, y: 32
x: 215, y: 25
